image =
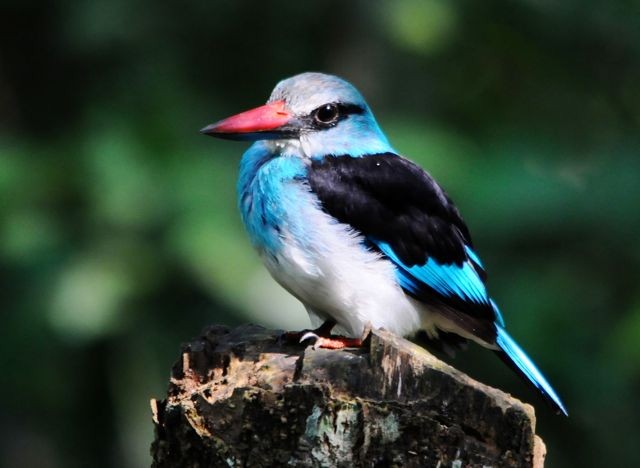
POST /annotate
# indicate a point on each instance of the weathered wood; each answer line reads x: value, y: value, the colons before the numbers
x: 240, y: 398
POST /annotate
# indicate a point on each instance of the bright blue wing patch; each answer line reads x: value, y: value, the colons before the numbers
x: 527, y: 367
x: 496, y: 310
x: 473, y: 256
x: 449, y: 280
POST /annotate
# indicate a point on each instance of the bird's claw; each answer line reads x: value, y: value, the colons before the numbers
x: 309, y: 336
x: 322, y: 337
x: 333, y: 342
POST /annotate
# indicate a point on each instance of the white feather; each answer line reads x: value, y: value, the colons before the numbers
x: 331, y: 273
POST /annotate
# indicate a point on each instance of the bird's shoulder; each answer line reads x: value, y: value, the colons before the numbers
x: 391, y: 199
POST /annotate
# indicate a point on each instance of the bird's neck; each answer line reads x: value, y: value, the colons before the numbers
x: 354, y: 140
x: 255, y: 158
x: 264, y: 192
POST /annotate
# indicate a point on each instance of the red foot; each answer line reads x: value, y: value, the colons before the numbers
x: 295, y: 337
x: 322, y: 337
x: 338, y: 342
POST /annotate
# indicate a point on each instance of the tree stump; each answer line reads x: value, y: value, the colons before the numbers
x: 241, y: 398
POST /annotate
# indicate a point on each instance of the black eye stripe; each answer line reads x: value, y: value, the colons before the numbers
x: 342, y: 110
x: 347, y: 109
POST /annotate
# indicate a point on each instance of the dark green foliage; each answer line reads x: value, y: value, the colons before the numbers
x: 119, y: 236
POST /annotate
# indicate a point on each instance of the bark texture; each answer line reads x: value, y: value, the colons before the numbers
x: 241, y: 398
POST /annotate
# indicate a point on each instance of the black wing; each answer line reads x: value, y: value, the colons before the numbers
x: 404, y: 214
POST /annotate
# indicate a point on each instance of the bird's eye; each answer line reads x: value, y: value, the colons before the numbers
x: 327, y: 114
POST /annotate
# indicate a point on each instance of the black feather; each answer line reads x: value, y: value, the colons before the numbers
x: 390, y: 199
x: 445, y: 343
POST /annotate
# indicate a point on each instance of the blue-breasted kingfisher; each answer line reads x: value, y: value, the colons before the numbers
x: 362, y: 236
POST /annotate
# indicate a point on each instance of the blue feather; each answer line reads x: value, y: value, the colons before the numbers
x: 496, y: 310
x: 473, y: 256
x: 266, y: 195
x: 527, y: 368
x: 449, y: 280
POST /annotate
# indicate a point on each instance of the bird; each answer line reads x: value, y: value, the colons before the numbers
x: 361, y: 235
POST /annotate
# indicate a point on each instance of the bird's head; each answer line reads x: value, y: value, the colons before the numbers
x: 311, y: 115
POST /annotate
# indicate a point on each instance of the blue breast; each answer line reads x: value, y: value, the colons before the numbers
x: 268, y: 194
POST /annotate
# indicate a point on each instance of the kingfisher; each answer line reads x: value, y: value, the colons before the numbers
x: 361, y: 235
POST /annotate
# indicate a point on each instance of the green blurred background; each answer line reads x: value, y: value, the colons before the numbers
x: 120, y: 238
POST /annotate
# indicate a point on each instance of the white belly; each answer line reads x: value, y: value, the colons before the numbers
x: 325, y: 266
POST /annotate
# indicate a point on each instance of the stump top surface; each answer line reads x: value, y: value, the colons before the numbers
x: 391, y: 392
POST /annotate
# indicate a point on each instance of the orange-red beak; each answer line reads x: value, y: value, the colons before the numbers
x: 262, y: 123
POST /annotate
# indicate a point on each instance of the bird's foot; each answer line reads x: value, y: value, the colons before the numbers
x: 336, y: 341
x: 296, y: 337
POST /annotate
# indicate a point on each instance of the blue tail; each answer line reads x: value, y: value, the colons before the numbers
x: 517, y: 359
